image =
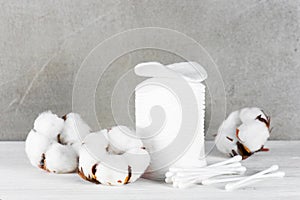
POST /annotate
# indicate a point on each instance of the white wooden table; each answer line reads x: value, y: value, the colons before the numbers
x: 19, y: 180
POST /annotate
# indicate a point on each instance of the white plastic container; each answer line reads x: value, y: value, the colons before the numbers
x: 169, y: 112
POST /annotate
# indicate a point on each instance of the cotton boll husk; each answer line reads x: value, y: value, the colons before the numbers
x: 249, y: 114
x: 49, y: 124
x: 253, y: 135
x: 74, y: 131
x: 35, y: 145
x: 121, y: 139
x: 61, y: 158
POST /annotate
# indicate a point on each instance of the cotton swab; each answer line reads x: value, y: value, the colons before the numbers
x: 224, y: 180
x: 232, y: 186
x: 169, y: 174
x: 187, y: 181
x: 204, y: 175
x: 168, y: 180
x: 190, y: 182
x: 234, y: 159
x: 280, y: 175
x: 185, y: 177
x: 220, y: 171
x: 194, y: 169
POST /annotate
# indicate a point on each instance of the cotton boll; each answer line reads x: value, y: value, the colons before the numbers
x: 53, y: 143
x: 225, y: 139
x: 96, y: 144
x: 36, y: 145
x: 98, y: 164
x: 49, y: 124
x: 92, y: 150
x: 86, y: 161
x: 74, y: 131
x: 113, y: 170
x: 244, y: 132
x: 226, y: 144
x: 121, y: 139
x: 253, y: 135
x: 249, y: 114
x: 61, y: 159
x: 139, y: 160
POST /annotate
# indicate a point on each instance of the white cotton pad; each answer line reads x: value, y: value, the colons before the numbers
x: 35, y: 145
x: 190, y: 71
x: 61, y: 158
x: 153, y: 69
x: 74, y: 131
x: 49, y: 124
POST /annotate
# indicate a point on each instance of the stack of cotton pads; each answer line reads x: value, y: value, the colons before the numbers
x: 159, y: 111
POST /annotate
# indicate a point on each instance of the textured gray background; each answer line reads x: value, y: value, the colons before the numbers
x: 42, y: 44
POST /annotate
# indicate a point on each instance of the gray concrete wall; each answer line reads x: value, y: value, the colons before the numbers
x: 255, y: 43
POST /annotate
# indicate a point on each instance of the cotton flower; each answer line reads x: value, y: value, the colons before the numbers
x: 54, y: 142
x: 122, y: 139
x: 74, y: 131
x: 48, y: 124
x: 36, y: 145
x: 60, y: 158
x: 244, y: 132
x: 250, y: 114
x: 253, y: 135
x: 112, y: 157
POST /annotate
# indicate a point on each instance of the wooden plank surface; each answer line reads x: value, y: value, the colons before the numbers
x: 19, y: 180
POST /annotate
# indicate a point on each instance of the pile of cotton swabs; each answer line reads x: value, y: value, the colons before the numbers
x: 231, y: 168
